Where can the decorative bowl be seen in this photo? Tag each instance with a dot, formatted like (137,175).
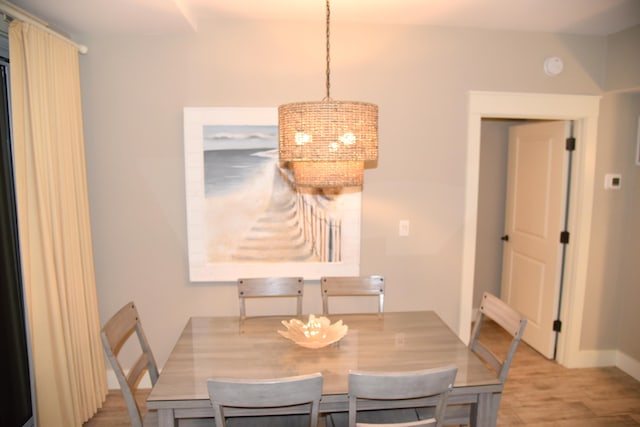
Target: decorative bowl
(316,333)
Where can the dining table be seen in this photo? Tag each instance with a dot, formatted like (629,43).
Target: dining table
(252,348)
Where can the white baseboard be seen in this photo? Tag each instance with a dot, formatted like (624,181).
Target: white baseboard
(596,358)
(629,365)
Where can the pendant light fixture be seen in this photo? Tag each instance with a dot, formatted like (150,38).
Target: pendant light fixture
(327,142)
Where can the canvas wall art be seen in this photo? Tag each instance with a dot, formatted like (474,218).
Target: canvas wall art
(245,217)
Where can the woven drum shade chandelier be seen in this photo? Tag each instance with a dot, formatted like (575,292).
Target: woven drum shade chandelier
(327,142)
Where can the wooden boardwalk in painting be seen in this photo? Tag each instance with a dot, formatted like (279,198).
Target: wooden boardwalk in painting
(277,234)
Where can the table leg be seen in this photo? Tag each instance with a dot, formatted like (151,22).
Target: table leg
(486,411)
(166,418)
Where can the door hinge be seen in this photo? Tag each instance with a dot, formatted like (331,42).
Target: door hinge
(557,325)
(564,237)
(571,143)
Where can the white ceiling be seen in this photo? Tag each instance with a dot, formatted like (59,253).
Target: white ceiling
(595,17)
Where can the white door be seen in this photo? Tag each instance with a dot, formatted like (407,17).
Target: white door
(534,219)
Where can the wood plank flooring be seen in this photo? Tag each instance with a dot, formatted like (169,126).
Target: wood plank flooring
(538,393)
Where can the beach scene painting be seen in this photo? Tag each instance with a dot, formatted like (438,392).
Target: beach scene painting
(245,218)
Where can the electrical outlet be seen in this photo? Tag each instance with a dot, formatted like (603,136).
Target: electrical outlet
(403,228)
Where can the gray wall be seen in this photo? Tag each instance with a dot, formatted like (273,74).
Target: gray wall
(613,284)
(628,341)
(623,60)
(134,90)
(611,317)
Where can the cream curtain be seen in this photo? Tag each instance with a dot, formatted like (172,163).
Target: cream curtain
(55,234)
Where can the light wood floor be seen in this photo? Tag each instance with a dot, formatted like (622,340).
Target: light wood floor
(538,393)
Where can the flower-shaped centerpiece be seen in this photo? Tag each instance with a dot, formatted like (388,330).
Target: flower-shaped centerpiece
(316,333)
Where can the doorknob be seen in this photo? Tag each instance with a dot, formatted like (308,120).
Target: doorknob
(505,238)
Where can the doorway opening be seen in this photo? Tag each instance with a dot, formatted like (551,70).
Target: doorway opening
(522,214)
(583,110)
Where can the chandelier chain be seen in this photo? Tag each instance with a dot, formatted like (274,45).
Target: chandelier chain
(328,72)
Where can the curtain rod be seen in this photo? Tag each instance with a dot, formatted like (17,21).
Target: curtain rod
(16,13)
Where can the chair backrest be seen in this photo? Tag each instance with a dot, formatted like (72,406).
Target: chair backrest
(351,286)
(115,333)
(510,320)
(263,394)
(437,382)
(262,287)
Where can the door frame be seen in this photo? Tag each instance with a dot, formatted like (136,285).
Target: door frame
(583,110)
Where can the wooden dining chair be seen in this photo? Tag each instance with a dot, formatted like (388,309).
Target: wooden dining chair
(434,383)
(115,333)
(510,320)
(267,287)
(514,324)
(342,286)
(268,400)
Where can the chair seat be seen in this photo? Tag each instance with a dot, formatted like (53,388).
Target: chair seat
(151,420)
(456,414)
(270,421)
(386,416)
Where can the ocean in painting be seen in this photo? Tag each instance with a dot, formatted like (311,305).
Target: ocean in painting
(227,171)
(234,154)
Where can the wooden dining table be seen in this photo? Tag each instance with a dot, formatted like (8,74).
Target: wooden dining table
(394,341)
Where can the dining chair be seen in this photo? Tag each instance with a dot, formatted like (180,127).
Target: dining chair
(498,311)
(117,331)
(342,286)
(268,399)
(262,287)
(435,383)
